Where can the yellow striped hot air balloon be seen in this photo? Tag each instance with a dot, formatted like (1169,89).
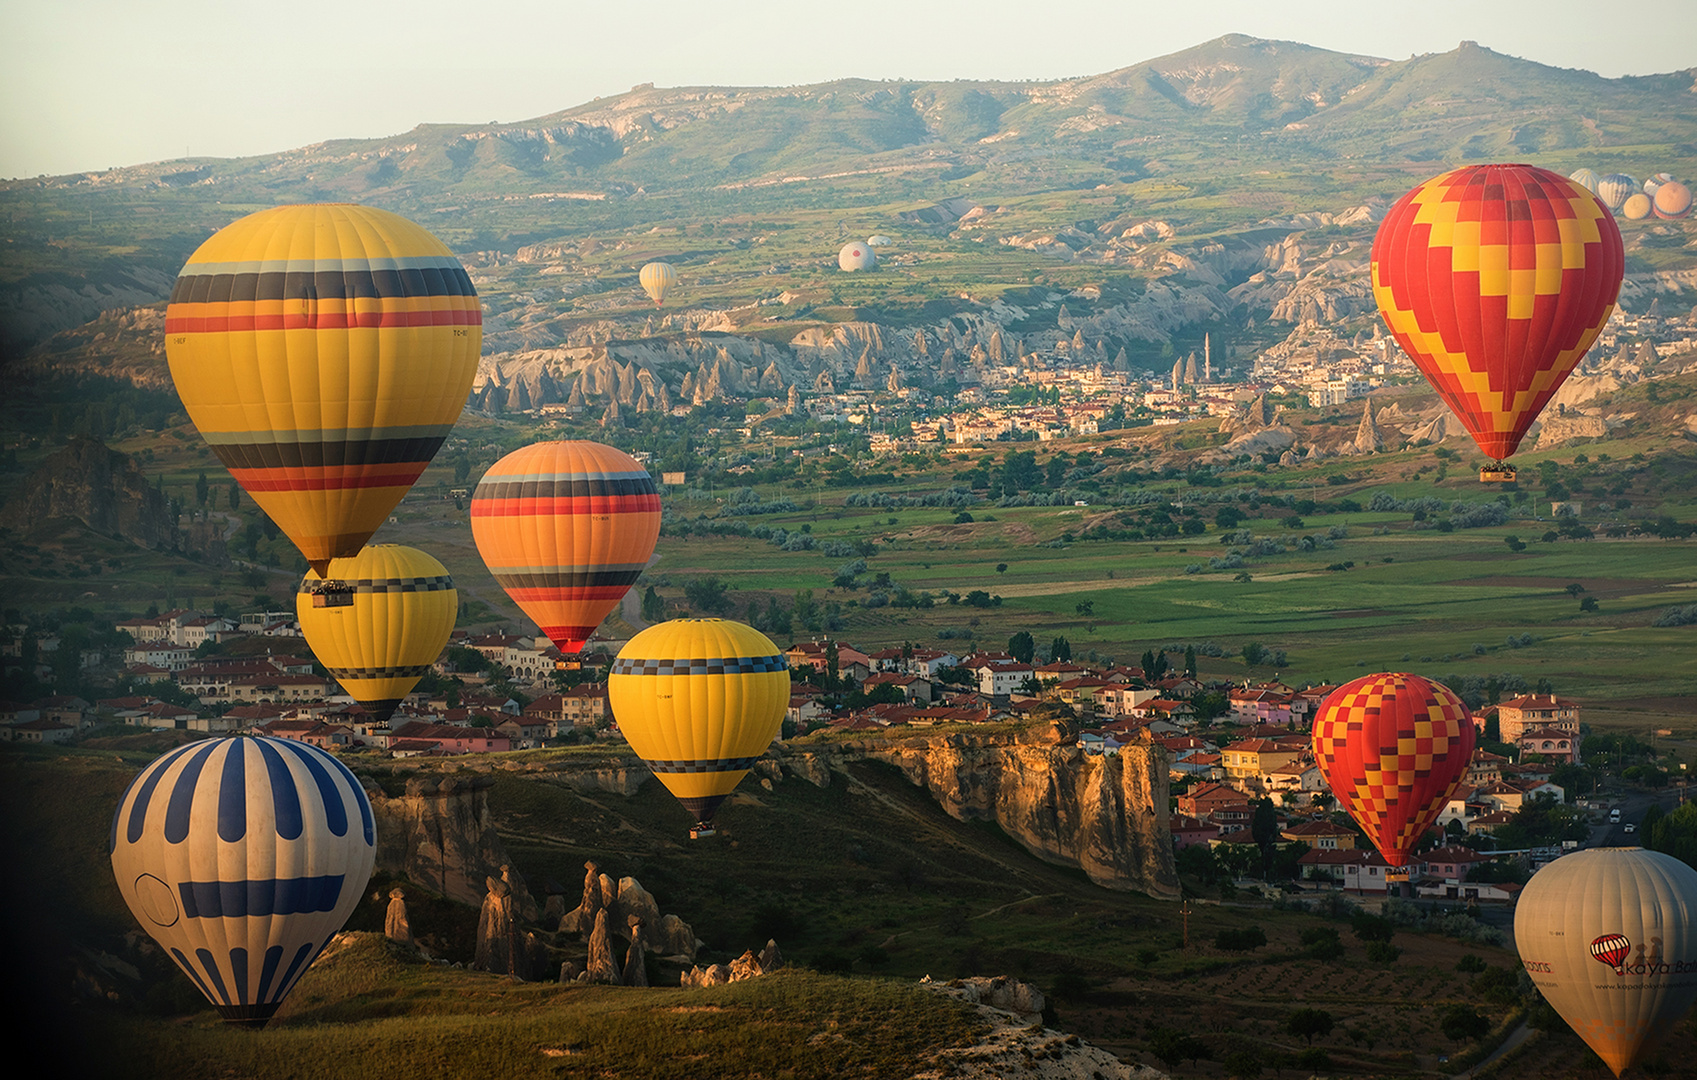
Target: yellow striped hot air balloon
(566,528)
(324,352)
(699,700)
(378,621)
(657,279)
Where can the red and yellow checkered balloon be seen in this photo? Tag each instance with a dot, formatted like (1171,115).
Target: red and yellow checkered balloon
(1393,748)
(1495,279)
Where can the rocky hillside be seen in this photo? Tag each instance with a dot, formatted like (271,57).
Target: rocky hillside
(102,488)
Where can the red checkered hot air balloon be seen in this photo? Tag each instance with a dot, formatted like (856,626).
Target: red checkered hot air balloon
(1393,747)
(566,528)
(1495,279)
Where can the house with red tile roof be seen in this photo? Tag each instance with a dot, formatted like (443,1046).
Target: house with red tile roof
(1321,835)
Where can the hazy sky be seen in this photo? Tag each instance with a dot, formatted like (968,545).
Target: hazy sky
(88,84)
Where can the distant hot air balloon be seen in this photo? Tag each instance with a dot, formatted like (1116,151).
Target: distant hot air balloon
(657,280)
(243,857)
(1636,207)
(879,240)
(1585,178)
(378,621)
(1495,279)
(566,528)
(1392,747)
(1614,189)
(699,700)
(324,352)
(1673,201)
(1652,185)
(857,256)
(1609,937)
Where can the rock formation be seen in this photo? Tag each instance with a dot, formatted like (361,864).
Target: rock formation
(103,488)
(1367,439)
(396,927)
(623,901)
(1017,1044)
(636,967)
(1105,814)
(440,834)
(501,945)
(602,967)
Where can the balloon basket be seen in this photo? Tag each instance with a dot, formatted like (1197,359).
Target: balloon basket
(700,832)
(1497,474)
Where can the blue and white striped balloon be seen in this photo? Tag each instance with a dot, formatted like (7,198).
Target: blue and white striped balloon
(243,857)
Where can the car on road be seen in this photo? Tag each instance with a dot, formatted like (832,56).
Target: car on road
(1631,826)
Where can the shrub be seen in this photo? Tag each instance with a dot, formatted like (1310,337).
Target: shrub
(1246,940)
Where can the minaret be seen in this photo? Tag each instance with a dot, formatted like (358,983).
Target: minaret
(1207,359)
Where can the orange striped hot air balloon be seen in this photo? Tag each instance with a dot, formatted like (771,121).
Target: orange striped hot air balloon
(324,352)
(1392,747)
(1495,279)
(566,528)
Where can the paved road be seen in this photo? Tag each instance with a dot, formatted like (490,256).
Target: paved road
(1515,1038)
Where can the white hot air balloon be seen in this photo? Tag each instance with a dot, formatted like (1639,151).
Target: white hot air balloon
(1607,936)
(243,857)
(1614,189)
(857,256)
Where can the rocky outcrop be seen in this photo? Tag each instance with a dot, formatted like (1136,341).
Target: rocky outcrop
(1106,815)
(440,834)
(624,901)
(396,926)
(104,489)
(1561,426)
(1016,1044)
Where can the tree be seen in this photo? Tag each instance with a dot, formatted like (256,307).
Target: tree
(1060,649)
(1461,1023)
(1515,543)
(235,495)
(706,595)
(653,606)
(1575,589)
(1190,661)
(1001,568)
(1022,647)
(1085,608)
(201,490)
(1307,1023)
(1174,1047)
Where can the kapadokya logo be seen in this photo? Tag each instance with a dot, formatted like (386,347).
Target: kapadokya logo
(1610,949)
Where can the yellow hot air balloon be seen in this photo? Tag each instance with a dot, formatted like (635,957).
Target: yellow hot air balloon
(324,352)
(657,279)
(1608,937)
(378,621)
(699,700)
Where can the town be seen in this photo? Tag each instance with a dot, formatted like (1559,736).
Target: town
(1248,805)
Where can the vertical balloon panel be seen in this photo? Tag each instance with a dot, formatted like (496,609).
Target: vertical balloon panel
(242,857)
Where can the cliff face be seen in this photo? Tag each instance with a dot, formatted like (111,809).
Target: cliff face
(103,488)
(1104,815)
(440,834)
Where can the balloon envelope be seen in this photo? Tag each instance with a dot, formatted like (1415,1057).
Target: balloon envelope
(1393,747)
(699,700)
(1614,188)
(378,621)
(857,256)
(1585,178)
(1495,279)
(1607,937)
(566,528)
(324,352)
(1636,207)
(242,857)
(657,279)
(1673,200)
